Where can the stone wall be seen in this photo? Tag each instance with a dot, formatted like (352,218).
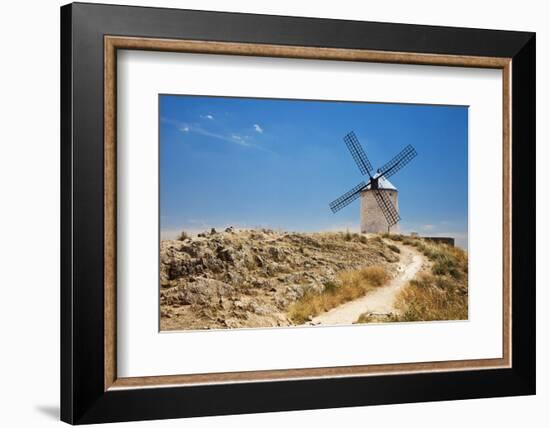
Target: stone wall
(372,217)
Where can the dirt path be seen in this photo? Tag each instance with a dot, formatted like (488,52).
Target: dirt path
(379,301)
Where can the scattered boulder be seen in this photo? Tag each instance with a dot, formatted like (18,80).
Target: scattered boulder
(258,308)
(204,291)
(259,261)
(275,253)
(226,255)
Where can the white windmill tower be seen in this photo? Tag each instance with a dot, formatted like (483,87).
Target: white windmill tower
(379,206)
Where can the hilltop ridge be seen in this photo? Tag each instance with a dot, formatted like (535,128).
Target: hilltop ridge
(250,278)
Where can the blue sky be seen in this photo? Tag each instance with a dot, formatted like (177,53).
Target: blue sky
(278,163)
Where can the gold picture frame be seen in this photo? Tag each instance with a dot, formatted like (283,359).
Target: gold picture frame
(114,43)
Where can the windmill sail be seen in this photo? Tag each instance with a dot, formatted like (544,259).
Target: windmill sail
(398,162)
(387,207)
(376,183)
(358,154)
(347,198)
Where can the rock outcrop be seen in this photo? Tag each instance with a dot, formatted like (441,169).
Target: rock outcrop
(248,278)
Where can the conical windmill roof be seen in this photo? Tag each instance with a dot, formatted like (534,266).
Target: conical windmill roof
(383,183)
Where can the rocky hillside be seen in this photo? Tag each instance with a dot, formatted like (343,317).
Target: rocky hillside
(248,278)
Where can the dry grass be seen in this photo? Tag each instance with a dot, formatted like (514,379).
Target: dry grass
(349,285)
(446,260)
(441,294)
(347,236)
(352,241)
(432,298)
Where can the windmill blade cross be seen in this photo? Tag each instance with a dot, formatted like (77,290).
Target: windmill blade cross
(358,154)
(387,207)
(398,162)
(347,198)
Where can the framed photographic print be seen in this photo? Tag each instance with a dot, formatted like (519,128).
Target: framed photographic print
(320,213)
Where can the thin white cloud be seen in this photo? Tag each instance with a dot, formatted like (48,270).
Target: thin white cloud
(208,116)
(243,140)
(428,227)
(258,129)
(240,140)
(231,138)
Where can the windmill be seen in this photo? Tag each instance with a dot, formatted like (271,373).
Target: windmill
(379,207)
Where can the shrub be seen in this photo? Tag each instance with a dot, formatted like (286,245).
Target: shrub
(377,239)
(394,248)
(183,236)
(362,239)
(330,287)
(393,236)
(363,319)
